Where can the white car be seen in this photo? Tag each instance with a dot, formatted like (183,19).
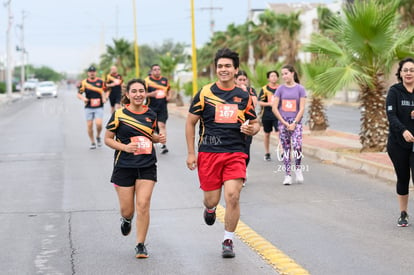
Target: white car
(46,89)
(30,84)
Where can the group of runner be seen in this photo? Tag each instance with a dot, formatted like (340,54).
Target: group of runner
(226,110)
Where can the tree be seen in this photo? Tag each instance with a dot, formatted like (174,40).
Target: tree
(367,44)
(120,54)
(288,30)
(318,119)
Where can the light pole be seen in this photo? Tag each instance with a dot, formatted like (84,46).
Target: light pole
(250,60)
(23,50)
(135,42)
(8,47)
(194,49)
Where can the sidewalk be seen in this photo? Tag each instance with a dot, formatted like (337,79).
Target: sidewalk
(5,99)
(334,147)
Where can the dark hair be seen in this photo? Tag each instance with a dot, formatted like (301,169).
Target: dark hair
(291,69)
(400,65)
(270,72)
(227,53)
(125,99)
(241,73)
(155,65)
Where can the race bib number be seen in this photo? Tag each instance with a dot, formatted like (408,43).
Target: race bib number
(289,105)
(270,99)
(95,102)
(160,94)
(144,145)
(226,113)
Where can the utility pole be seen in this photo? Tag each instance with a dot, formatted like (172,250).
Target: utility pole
(8,47)
(23,51)
(250,60)
(211,9)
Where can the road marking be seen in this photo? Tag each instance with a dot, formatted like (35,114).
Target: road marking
(275,257)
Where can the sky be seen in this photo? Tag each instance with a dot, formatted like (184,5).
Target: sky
(69,35)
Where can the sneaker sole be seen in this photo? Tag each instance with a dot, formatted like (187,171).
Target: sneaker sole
(402,225)
(228,255)
(141,256)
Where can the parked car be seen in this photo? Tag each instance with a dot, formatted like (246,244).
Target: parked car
(46,89)
(30,84)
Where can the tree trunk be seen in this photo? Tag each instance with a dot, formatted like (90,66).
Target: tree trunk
(374,122)
(318,120)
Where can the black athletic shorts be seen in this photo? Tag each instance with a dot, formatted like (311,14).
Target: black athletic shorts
(162,115)
(268,125)
(115,98)
(126,177)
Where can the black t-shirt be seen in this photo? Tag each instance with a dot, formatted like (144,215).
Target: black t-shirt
(161,86)
(138,126)
(266,95)
(400,104)
(221,114)
(93,90)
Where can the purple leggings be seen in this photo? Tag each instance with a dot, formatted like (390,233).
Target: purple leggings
(291,142)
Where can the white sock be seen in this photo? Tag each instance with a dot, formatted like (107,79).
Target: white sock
(228,235)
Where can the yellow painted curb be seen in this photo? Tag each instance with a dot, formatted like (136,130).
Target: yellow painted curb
(276,258)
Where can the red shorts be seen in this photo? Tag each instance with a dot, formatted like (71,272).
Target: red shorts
(216,168)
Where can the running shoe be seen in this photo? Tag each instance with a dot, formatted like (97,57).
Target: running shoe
(210,216)
(141,251)
(99,142)
(93,146)
(164,149)
(403,220)
(267,157)
(227,246)
(287,180)
(125,226)
(299,176)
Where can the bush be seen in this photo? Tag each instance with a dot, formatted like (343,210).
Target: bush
(3,88)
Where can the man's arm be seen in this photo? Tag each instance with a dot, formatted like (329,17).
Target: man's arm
(190,138)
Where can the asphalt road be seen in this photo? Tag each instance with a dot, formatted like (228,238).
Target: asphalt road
(59,213)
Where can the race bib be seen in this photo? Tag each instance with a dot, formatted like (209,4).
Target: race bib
(270,99)
(95,102)
(289,105)
(144,145)
(226,113)
(160,94)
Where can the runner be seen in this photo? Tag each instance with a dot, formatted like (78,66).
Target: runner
(269,121)
(158,96)
(242,81)
(223,110)
(92,93)
(130,131)
(400,114)
(289,106)
(114,84)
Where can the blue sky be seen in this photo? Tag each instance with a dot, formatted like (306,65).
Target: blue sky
(69,35)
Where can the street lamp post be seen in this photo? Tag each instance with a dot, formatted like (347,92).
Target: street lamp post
(194,49)
(135,42)
(8,47)
(23,51)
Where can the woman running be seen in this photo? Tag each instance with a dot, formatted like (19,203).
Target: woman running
(130,131)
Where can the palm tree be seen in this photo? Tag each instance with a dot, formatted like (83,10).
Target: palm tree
(367,44)
(318,119)
(265,39)
(288,30)
(120,54)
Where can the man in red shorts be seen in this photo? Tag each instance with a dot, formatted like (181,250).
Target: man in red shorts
(226,114)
